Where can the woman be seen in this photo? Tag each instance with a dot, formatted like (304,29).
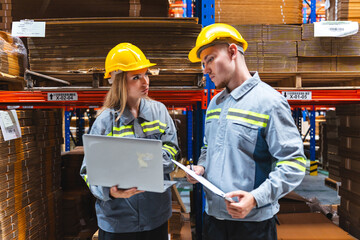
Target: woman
(128,112)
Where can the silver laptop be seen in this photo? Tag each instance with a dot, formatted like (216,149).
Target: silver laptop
(125,162)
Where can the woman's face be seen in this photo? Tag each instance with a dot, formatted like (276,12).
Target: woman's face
(137,83)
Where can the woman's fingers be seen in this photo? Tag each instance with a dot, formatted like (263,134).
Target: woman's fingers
(124,193)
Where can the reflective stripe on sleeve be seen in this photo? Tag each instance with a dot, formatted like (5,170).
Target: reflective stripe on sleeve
(86,180)
(171,150)
(298,163)
(204,146)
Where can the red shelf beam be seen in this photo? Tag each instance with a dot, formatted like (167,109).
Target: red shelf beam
(326,97)
(94,98)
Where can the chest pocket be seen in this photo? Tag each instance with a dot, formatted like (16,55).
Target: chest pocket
(154,129)
(242,136)
(245,126)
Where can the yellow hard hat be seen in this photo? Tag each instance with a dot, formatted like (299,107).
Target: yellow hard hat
(125,57)
(213,32)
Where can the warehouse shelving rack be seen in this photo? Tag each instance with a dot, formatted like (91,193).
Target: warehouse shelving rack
(195,101)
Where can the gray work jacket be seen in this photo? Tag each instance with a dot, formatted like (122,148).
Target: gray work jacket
(148,210)
(251,144)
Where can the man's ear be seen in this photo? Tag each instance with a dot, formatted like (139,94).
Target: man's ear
(232,50)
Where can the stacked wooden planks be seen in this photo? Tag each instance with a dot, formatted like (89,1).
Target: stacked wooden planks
(13,61)
(348,10)
(323,147)
(30,194)
(5,15)
(258,12)
(16,10)
(35,9)
(81,45)
(78,209)
(290,56)
(328,54)
(272,48)
(349,142)
(12,55)
(332,146)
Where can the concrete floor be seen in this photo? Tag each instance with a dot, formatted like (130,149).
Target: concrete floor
(314,186)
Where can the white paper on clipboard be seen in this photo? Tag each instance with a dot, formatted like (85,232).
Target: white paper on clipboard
(203,181)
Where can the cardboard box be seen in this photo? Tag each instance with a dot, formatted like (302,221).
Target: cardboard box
(308,226)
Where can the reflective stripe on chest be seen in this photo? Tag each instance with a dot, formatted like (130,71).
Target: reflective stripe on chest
(148,128)
(122,131)
(153,127)
(240,115)
(253,118)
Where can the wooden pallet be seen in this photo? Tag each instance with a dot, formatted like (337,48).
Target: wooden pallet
(332,184)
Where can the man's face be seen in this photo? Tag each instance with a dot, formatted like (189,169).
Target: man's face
(217,63)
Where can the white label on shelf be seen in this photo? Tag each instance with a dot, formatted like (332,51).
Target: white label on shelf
(9,124)
(297,95)
(335,28)
(62,96)
(27,107)
(12,107)
(28,28)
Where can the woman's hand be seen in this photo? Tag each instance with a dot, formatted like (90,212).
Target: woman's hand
(123,193)
(199,170)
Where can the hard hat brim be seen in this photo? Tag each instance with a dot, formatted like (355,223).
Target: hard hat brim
(193,57)
(107,74)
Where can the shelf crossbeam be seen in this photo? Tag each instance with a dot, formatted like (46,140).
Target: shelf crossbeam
(95,98)
(323,97)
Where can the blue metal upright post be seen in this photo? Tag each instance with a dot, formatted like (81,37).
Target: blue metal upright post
(313,11)
(199,121)
(205,11)
(80,127)
(67,130)
(189,121)
(313,163)
(189,8)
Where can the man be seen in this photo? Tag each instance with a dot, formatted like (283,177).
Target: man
(252,148)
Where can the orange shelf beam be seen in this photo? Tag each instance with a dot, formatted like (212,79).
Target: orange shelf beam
(95,98)
(325,97)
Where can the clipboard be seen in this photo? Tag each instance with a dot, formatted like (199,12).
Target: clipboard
(204,181)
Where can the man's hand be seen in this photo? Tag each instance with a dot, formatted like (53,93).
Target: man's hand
(199,170)
(240,209)
(123,193)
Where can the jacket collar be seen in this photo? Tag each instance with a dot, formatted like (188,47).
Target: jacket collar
(127,117)
(241,90)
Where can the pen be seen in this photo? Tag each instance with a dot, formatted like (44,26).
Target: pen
(191,164)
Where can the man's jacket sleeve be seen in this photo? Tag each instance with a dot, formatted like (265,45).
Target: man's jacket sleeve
(286,147)
(169,140)
(202,158)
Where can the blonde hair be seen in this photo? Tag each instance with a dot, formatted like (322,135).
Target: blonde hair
(117,95)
